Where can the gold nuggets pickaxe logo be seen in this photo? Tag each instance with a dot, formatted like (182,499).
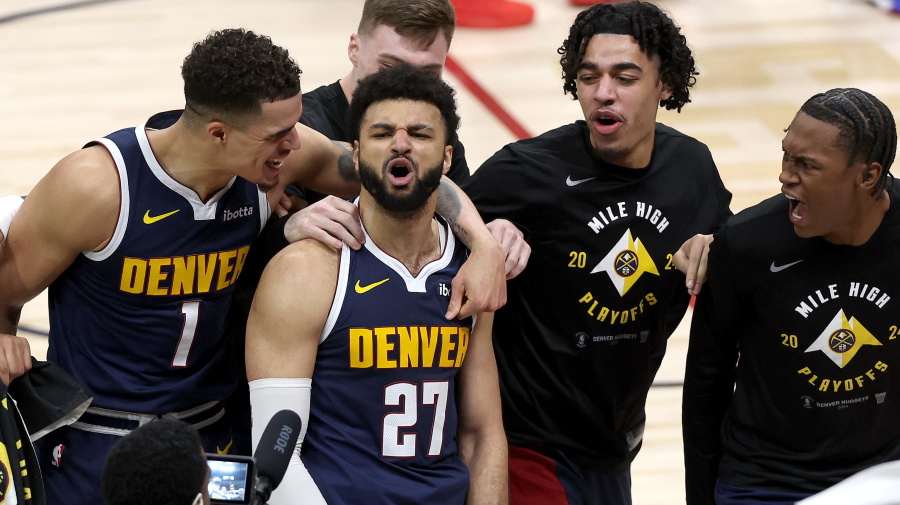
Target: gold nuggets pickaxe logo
(841,339)
(626,262)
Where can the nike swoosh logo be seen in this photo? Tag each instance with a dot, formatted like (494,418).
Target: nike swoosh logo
(220,451)
(151,220)
(363,289)
(570,182)
(775,269)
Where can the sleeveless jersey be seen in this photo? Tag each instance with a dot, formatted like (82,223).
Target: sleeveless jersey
(141,322)
(383,414)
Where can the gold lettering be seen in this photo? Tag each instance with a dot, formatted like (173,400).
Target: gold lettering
(157,275)
(360,348)
(206,267)
(463,346)
(881,366)
(225,268)
(183,277)
(602,315)
(586,298)
(805,370)
(239,264)
(824,385)
(409,346)
(429,345)
(381,335)
(134,271)
(446,346)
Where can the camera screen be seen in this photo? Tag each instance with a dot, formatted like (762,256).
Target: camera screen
(228,480)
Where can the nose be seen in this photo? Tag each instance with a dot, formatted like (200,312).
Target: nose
(401,144)
(292,140)
(788,175)
(605,92)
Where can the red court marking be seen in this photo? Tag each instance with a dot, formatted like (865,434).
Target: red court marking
(485,98)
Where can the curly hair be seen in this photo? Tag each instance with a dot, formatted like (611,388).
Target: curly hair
(655,33)
(867,132)
(230,73)
(160,462)
(404,82)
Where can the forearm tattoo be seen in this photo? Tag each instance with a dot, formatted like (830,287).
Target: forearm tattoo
(449,206)
(346,167)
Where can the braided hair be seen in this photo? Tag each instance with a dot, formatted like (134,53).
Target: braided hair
(653,30)
(867,131)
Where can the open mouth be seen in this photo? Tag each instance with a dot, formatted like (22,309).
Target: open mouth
(606,121)
(399,171)
(275,164)
(798,209)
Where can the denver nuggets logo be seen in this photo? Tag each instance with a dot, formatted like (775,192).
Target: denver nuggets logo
(626,263)
(842,341)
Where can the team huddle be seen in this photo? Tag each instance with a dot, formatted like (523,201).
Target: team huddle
(448,338)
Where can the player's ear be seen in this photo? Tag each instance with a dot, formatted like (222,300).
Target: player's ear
(353,49)
(217,131)
(356,155)
(448,158)
(869,176)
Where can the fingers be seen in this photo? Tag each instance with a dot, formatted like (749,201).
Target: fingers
(691,259)
(515,248)
(15,357)
(332,221)
(456,296)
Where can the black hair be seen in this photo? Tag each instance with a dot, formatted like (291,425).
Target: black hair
(230,73)
(867,131)
(655,33)
(404,82)
(159,462)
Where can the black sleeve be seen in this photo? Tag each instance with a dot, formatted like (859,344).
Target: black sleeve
(459,169)
(499,188)
(709,375)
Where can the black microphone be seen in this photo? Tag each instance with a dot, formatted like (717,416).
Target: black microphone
(274,452)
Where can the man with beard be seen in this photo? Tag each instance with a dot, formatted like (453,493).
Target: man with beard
(388,406)
(605,203)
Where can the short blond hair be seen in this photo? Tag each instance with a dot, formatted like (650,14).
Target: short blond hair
(420,20)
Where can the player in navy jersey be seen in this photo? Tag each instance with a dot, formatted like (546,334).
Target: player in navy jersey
(404,408)
(141,237)
(791,382)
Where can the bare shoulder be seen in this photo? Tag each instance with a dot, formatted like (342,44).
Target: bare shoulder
(84,187)
(305,272)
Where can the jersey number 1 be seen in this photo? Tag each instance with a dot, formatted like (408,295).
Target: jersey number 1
(395,445)
(191,312)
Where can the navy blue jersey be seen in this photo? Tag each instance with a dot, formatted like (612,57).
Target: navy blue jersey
(140,322)
(383,409)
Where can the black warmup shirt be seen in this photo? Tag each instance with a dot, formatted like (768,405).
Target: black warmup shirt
(585,326)
(815,396)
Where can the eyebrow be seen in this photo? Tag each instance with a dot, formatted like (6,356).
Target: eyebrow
(618,67)
(389,56)
(389,126)
(280,132)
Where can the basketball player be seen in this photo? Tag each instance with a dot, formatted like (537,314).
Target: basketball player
(143,234)
(390,32)
(405,405)
(803,288)
(605,203)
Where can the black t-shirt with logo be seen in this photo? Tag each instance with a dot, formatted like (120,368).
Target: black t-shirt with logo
(816,392)
(585,326)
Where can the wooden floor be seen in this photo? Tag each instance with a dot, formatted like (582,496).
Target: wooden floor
(67,76)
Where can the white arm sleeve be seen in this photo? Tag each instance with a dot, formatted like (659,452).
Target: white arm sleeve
(267,397)
(9,205)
